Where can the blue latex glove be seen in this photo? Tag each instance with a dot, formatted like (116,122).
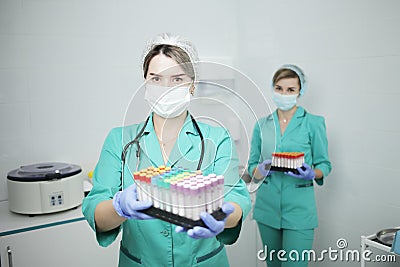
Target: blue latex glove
(126,204)
(214,227)
(308,174)
(262,165)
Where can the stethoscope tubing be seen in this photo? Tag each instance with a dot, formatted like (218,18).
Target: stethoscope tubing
(140,134)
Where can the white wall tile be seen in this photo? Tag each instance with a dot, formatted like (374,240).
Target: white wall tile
(75,65)
(14,86)
(352,61)
(11,17)
(15,121)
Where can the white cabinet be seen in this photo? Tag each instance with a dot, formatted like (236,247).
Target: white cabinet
(61,239)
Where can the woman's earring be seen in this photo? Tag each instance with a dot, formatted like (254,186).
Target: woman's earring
(191,90)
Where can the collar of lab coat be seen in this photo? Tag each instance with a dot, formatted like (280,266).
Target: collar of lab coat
(294,122)
(151,148)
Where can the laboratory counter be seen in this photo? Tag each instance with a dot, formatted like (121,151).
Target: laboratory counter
(58,239)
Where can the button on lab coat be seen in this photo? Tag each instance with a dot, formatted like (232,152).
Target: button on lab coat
(283,201)
(154,242)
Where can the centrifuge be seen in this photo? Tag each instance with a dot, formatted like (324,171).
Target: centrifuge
(45,188)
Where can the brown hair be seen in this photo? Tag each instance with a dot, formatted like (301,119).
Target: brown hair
(283,74)
(174,52)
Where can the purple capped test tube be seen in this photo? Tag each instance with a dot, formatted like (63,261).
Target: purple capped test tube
(187,200)
(208,196)
(201,197)
(181,198)
(174,197)
(214,193)
(194,202)
(220,190)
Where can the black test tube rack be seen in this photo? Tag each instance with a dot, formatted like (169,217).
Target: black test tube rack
(283,169)
(180,220)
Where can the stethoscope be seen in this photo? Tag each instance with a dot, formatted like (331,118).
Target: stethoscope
(141,133)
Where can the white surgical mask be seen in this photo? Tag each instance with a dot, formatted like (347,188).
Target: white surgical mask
(167,102)
(284,102)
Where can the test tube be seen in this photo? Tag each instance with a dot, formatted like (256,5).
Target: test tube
(154,191)
(220,190)
(161,192)
(194,202)
(174,197)
(187,200)
(139,187)
(212,175)
(284,161)
(136,176)
(214,193)
(146,182)
(167,195)
(208,196)
(297,161)
(181,198)
(199,178)
(293,158)
(202,198)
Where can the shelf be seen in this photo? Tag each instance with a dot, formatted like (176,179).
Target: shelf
(374,242)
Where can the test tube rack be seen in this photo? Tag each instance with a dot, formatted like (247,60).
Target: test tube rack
(179,196)
(286,162)
(283,169)
(180,220)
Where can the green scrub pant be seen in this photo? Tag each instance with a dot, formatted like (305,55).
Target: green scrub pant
(292,242)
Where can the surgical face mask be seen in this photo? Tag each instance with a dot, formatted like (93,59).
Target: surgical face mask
(284,102)
(167,102)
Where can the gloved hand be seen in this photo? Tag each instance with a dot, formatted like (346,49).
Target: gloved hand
(262,165)
(308,174)
(214,227)
(126,204)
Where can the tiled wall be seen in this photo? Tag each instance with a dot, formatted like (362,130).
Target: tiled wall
(68,70)
(350,51)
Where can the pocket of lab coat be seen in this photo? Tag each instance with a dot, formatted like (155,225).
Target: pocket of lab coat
(217,257)
(126,259)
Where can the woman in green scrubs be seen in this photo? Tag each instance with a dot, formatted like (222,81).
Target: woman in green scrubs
(169,137)
(285,208)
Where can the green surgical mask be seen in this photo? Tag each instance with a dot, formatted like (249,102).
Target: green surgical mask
(284,102)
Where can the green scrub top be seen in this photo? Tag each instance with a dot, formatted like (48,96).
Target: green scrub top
(154,242)
(283,201)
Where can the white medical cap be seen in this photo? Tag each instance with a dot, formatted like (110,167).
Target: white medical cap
(173,40)
(300,74)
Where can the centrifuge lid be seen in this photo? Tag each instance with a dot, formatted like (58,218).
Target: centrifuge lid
(43,172)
